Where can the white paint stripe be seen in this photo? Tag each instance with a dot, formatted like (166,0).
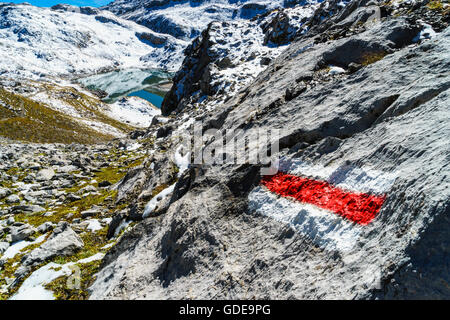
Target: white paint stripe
(326,229)
(347,177)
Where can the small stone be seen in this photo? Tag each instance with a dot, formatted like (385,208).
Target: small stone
(86,189)
(155,121)
(29,178)
(90,213)
(29,198)
(353,67)
(72,197)
(45,175)
(265,61)
(67,169)
(14,198)
(21,272)
(4,192)
(104,184)
(136,134)
(27,209)
(294,91)
(164,132)
(63,242)
(67,183)
(69,215)
(225,63)
(34,166)
(45,227)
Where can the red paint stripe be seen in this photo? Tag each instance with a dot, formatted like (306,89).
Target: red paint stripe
(361,208)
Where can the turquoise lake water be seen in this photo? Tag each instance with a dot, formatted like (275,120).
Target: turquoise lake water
(153,98)
(145,84)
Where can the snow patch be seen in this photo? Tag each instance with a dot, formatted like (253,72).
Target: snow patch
(151,206)
(94,225)
(33,288)
(182,161)
(427,32)
(14,249)
(133,110)
(336,70)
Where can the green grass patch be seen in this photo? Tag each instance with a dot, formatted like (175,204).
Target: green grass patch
(372,57)
(35,122)
(62,291)
(86,105)
(436,5)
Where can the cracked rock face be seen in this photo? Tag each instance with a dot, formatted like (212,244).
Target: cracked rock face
(380,120)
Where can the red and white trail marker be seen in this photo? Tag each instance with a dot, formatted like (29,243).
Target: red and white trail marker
(330,205)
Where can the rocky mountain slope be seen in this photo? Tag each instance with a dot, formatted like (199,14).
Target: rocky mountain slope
(56,204)
(362,105)
(358,205)
(229,55)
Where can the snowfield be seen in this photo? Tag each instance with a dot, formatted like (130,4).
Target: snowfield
(134,111)
(187,19)
(41,42)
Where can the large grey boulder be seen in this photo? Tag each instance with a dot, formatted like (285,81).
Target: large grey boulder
(4,192)
(22,232)
(63,242)
(3,246)
(27,209)
(222,239)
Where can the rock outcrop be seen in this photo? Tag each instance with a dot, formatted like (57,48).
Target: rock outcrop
(361,104)
(62,242)
(228,55)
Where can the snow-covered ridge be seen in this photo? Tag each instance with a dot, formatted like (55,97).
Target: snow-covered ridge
(230,54)
(42,42)
(187,19)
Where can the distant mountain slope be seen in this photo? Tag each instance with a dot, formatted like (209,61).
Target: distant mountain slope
(45,112)
(187,19)
(236,39)
(67,40)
